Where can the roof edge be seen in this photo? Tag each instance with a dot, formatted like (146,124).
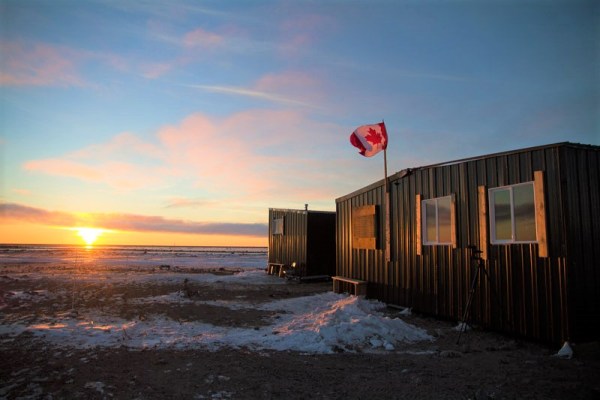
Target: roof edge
(405,172)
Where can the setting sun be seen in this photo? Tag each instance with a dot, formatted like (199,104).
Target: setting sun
(89,235)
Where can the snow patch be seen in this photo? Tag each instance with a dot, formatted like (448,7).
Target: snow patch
(322,323)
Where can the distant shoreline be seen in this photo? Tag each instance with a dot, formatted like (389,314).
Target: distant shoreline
(2,245)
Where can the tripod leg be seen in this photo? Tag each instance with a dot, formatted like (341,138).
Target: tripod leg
(468,305)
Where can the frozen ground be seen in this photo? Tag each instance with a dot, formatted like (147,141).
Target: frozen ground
(78,330)
(318,323)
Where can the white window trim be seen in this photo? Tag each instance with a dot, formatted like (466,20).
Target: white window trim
(491,204)
(437,226)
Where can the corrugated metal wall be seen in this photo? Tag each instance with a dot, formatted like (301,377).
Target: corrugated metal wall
(525,294)
(581,194)
(308,240)
(291,246)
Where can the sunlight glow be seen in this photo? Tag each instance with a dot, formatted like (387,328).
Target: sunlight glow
(89,235)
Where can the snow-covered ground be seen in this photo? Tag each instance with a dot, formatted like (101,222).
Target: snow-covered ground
(321,323)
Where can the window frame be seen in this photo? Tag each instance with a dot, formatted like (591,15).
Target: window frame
(492,214)
(424,220)
(278,226)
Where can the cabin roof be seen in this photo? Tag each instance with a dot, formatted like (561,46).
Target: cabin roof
(407,171)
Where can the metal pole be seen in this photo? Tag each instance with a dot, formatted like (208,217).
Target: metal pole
(387,209)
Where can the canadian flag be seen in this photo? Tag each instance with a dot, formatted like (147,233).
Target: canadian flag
(370,139)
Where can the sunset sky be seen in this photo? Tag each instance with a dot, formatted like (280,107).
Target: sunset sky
(182,122)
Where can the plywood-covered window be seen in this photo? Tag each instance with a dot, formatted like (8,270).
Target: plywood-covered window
(512,214)
(364,227)
(438,221)
(277,226)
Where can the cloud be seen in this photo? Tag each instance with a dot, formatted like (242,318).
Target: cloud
(244,92)
(119,175)
(242,161)
(17,212)
(122,146)
(62,167)
(125,162)
(188,48)
(156,70)
(289,88)
(299,34)
(201,38)
(37,64)
(127,222)
(181,202)
(41,64)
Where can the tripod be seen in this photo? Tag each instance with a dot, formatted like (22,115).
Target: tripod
(475,255)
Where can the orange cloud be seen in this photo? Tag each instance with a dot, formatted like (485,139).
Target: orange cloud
(121,146)
(11,212)
(62,167)
(22,192)
(120,175)
(255,156)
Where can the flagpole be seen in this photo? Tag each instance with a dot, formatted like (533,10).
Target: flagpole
(387,209)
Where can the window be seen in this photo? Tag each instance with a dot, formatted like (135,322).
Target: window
(364,227)
(438,221)
(512,214)
(277,226)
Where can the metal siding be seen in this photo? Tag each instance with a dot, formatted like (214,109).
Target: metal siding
(583,228)
(310,247)
(525,294)
(291,246)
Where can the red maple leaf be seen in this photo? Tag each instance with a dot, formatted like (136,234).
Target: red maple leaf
(373,136)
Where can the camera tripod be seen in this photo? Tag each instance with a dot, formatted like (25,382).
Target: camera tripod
(475,255)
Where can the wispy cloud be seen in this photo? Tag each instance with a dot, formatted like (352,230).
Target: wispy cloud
(156,70)
(126,222)
(181,202)
(287,88)
(37,64)
(191,47)
(119,175)
(125,162)
(300,33)
(22,192)
(240,91)
(62,167)
(202,38)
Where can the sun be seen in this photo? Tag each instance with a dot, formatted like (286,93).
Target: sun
(89,235)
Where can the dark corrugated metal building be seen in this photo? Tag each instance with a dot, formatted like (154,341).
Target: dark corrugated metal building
(305,237)
(535,215)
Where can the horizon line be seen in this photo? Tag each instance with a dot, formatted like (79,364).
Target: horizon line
(123,245)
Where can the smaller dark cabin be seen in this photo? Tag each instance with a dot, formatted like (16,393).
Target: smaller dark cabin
(533,213)
(304,237)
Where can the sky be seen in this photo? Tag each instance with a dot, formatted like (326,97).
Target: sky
(183,122)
